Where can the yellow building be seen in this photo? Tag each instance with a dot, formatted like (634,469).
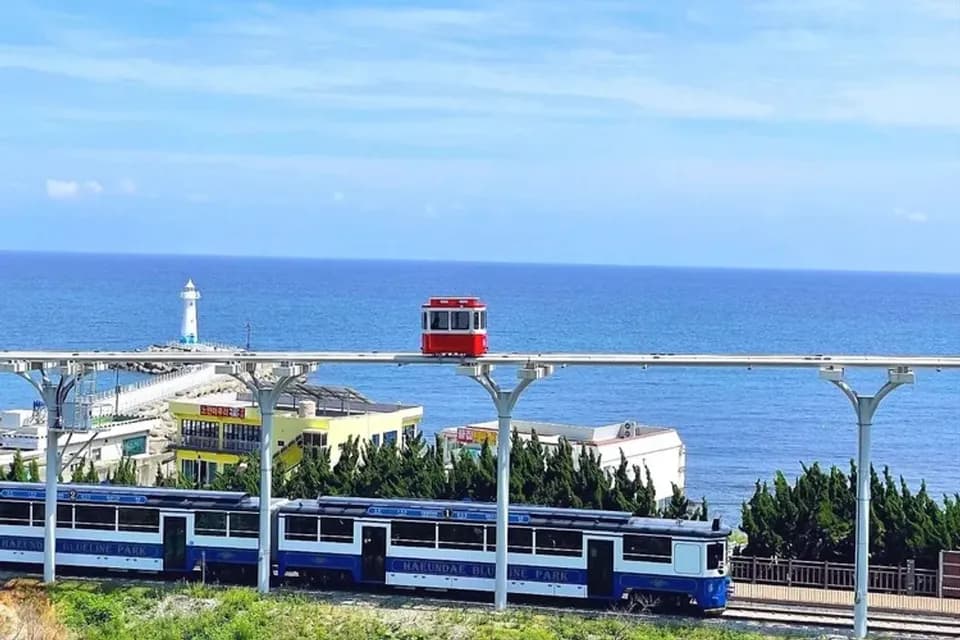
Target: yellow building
(219,430)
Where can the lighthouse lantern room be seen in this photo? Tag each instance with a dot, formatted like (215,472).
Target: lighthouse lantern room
(454,326)
(189,334)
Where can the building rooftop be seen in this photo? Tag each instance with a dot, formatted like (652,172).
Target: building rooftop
(575,433)
(329,399)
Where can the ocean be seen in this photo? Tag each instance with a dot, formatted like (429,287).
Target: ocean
(739,426)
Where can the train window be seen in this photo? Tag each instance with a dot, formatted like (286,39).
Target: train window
(714,555)
(244,525)
(519,539)
(460,536)
(647,549)
(15,513)
(460,320)
(65,515)
(423,320)
(336,530)
(143,520)
(210,523)
(476,319)
(558,542)
(439,320)
(38,511)
(91,517)
(404,533)
(301,528)
(483,319)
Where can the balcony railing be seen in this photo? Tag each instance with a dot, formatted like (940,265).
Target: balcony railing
(240,446)
(199,442)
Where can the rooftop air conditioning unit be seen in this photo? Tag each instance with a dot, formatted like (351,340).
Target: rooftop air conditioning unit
(628,429)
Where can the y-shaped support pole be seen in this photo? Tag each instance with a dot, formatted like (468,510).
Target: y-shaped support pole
(865,407)
(266,393)
(54,395)
(504,401)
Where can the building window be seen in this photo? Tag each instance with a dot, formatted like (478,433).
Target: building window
(409,433)
(314,439)
(240,437)
(559,542)
(390,437)
(375,439)
(189,470)
(406,533)
(199,434)
(647,549)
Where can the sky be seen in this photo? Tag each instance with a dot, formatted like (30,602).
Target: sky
(767,133)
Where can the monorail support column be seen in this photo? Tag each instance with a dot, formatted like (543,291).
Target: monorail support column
(865,407)
(266,392)
(504,401)
(54,395)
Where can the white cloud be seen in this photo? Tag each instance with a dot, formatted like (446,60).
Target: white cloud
(916,217)
(128,186)
(62,189)
(72,189)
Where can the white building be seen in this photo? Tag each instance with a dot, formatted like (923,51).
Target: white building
(105,447)
(658,449)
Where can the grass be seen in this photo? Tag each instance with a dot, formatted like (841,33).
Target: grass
(101,611)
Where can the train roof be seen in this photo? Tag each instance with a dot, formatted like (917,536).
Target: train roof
(159,497)
(486,512)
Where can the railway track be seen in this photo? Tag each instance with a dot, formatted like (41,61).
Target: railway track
(901,624)
(757,615)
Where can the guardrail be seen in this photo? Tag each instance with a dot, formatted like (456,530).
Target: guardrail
(108,394)
(906,580)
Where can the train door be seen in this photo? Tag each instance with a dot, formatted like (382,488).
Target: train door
(174,543)
(599,568)
(374,554)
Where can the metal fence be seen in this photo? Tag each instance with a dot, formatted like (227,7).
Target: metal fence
(906,580)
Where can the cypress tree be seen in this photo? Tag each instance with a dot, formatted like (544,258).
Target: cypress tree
(345,471)
(485,478)
(18,470)
(34,471)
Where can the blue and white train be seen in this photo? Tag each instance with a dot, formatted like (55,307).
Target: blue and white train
(559,553)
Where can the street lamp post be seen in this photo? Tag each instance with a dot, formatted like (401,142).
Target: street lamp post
(504,401)
(865,407)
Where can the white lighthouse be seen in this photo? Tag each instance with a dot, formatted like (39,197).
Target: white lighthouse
(188,329)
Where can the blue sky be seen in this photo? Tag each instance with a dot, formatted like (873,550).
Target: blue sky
(820,134)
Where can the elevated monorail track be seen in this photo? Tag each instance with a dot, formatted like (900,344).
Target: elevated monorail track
(528,358)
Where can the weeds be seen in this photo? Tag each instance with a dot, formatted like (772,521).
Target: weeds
(100,612)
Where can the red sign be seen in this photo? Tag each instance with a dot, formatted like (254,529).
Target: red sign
(466,435)
(222,412)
